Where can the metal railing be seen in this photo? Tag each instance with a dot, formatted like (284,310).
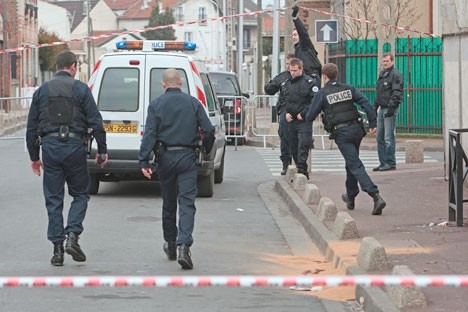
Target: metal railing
(457,173)
(263,120)
(13,117)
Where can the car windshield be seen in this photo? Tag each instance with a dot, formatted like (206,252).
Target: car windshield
(224,84)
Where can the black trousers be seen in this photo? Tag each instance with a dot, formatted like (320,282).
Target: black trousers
(300,140)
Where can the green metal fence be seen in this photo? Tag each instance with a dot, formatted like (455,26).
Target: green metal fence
(420,62)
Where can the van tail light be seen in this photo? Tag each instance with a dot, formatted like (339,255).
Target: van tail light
(237,106)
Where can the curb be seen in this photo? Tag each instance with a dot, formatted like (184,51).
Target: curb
(375,299)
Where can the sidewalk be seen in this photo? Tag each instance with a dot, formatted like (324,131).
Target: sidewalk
(413,228)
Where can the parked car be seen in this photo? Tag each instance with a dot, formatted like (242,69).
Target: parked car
(233,103)
(124,83)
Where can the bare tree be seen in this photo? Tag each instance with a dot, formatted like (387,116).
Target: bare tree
(404,14)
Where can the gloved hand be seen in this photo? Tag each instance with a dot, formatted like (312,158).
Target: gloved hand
(295,9)
(390,112)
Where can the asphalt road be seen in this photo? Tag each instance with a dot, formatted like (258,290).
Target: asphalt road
(235,234)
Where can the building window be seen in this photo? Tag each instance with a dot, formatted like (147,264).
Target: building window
(188,36)
(247,43)
(179,13)
(202,15)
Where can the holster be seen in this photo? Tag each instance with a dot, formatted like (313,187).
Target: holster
(361,123)
(199,153)
(158,150)
(88,140)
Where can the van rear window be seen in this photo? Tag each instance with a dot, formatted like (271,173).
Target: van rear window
(157,89)
(119,90)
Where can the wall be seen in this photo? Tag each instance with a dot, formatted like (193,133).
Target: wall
(454,22)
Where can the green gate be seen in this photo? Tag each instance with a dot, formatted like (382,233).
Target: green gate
(420,62)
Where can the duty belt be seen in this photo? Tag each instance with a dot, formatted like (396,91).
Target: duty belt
(70,134)
(344,124)
(178,148)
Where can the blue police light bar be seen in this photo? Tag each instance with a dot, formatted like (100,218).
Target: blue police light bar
(156,45)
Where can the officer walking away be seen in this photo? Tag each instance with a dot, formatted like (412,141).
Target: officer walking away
(304,48)
(62,110)
(341,119)
(175,124)
(389,95)
(298,92)
(272,87)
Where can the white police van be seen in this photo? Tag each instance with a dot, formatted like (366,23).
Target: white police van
(124,83)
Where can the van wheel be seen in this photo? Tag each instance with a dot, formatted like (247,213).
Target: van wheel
(219,173)
(93,184)
(205,185)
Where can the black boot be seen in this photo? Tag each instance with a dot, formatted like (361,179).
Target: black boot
(184,257)
(304,172)
(379,204)
(171,250)
(73,249)
(285,168)
(57,259)
(348,200)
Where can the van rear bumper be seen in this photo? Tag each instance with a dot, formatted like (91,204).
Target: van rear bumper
(118,170)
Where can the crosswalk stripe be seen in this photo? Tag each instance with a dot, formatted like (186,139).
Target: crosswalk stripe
(329,160)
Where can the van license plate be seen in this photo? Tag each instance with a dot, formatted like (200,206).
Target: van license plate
(121,128)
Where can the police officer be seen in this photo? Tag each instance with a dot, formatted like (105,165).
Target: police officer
(62,110)
(389,95)
(340,117)
(298,92)
(175,124)
(304,48)
(272,87)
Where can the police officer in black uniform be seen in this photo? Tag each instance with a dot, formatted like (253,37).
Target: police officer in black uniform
(175,124)
(272,87)
(341,119)
(298,92)
(304,48)
(62,110)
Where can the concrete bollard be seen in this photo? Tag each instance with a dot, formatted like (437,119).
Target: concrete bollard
(311,194)
(345,226)
(290,173)
(414,152)
(371,255)
(299,182)
(403,296)
(327,210)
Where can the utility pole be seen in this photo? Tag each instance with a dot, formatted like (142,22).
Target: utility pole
(240,43)
(276,41)
(288,28)
(6,58)
(88,42)
(259,81)
(385,8)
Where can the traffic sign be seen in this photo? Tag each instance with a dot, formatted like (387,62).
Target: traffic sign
(326,31)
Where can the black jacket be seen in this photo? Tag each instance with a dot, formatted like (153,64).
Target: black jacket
(276,84)
(305,50)
(389,89)
(298,93)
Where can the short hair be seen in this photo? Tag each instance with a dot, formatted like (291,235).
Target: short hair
(65,59)
(171,77)
(289,56)
(330,70)
(390,54)
(296,62)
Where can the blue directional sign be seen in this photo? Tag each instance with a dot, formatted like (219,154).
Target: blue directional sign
(326,31)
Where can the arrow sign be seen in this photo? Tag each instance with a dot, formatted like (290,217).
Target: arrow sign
(326,31)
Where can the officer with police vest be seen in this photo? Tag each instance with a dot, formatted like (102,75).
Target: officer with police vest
(174,126)
(61,113)
(340,117)
(298,92)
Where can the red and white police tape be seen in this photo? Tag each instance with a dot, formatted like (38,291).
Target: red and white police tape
(235,281)
(89,38)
